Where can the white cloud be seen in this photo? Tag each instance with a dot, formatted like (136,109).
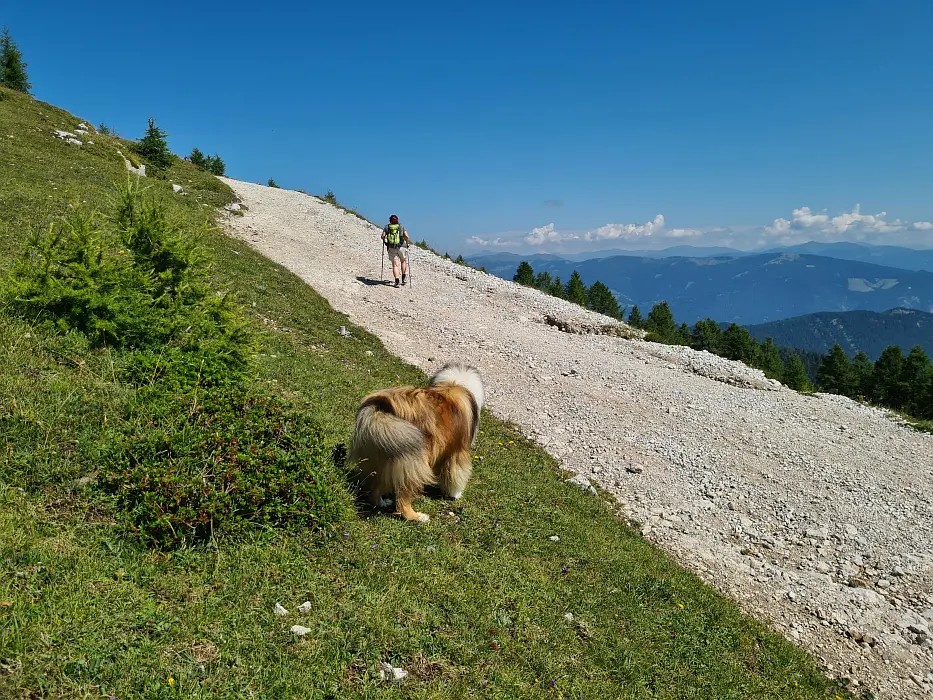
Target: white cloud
(802,225)
(854,223)
(548,234)
(493,243)
(627,232)
(682,233)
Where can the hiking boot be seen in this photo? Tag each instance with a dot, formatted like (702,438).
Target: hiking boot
(396,283)
(403,280)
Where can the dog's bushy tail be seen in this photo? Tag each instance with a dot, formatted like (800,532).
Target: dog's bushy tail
(390,451)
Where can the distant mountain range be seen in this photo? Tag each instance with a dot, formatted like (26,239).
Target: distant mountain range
(745,289)
(888,255)
(869,331)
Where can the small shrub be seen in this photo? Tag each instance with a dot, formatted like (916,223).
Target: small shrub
(215,165)
(105,130)
(154,148)
(235,460)
(196,157)
(153,294)
(330,198)
(272,183)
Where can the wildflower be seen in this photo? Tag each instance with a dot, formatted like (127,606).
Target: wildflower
(680,605)
(171,682)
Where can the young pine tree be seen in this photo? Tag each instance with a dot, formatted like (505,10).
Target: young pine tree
(557,288)
(738,344)
(524,274)
(795,374)
(885,378)
(543,281)
(916,376)
(196,157)
(769,359)
(575,290)
(216,166)
(660,324)
(835,373)
(683,334)
(154,148)
(602,301)
(635,318)
(707,335)
(862,370)
(12,67)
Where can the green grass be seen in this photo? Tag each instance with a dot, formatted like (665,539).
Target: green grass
(472,604)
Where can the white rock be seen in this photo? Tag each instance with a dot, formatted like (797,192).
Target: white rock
(389,672)
(178,189)
(582,482)
(300,630)
(279,610)
(554,538)
(305,607)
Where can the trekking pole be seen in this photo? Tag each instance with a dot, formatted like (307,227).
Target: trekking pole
(382,274)
(409,267)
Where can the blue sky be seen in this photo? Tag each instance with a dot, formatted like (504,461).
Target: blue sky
(506,126)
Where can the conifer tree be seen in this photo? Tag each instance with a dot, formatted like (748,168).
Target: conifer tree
(602,301)
(524,274)
(683,334)
(835,373)
(660,323)
(575,290)
(862,370)
(215,165)
(769,359)
(635,318)
(707,335)
(885,378)
(795,374)
(738,344)
(154,148)
(12,66)
(557,288)
(196,157)
(916,376)
(543,282)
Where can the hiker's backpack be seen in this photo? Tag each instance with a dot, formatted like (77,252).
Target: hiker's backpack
(394,235)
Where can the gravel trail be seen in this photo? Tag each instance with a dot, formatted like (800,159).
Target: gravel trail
(814,513)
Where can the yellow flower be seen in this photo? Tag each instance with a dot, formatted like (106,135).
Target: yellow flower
(171,681)
(680,605)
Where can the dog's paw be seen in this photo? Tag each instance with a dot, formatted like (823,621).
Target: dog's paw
(422,517)
(456,495)
(385,502)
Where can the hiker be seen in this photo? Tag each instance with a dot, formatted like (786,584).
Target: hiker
(393,235)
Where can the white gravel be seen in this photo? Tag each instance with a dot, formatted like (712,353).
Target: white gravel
(812,512)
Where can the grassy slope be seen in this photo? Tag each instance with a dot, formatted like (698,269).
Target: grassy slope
(471,604)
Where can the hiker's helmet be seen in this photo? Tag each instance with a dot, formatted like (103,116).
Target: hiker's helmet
(393,219)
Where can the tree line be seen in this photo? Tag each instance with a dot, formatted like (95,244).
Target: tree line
(898,381)
(596,297)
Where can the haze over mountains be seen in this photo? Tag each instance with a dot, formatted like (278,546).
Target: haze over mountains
(745,289)
(868,331)
(888,255)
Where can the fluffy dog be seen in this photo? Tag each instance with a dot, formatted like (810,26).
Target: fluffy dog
(408,437)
